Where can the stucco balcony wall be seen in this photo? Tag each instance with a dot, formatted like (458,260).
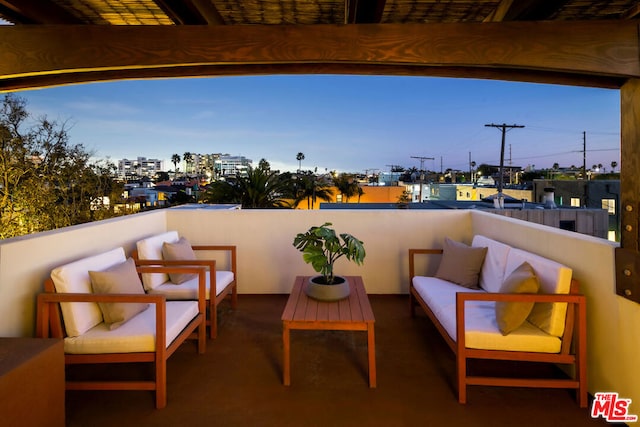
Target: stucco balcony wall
(267,263)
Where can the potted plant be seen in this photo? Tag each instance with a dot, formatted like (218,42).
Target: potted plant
(321,247)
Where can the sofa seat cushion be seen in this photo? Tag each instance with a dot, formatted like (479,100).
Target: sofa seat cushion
(554,278)
(73,277)
(439,294)
(135,336)
(189,290)
(481,327)
(482,332)
(151,248)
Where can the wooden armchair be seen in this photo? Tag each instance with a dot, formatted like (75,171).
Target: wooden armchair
(169,249)
(69,309)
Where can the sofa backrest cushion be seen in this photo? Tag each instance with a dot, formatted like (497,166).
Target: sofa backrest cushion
(554,278)
(150,249)
(493,270)
(73,277)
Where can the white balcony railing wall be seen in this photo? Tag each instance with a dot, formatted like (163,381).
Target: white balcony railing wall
(267,263)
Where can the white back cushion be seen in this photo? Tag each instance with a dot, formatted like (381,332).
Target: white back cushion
(79,317)
(493,270)
(150,249)
(554,278)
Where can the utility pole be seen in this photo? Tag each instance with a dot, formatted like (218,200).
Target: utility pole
(422,159)
(584,155)
(503,127)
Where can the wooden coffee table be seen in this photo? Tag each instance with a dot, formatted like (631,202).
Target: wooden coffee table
(350,314)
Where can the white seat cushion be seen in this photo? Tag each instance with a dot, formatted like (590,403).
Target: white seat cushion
(493,270)
(189,290)
(150,249)
(135,336)
(73,277)
(554,278)
(481,327)
(482,332)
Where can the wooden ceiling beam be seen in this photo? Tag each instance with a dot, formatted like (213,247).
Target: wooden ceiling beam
(36,12)
(181,12)
(366,11)
(606,50)
(527,10)
(499,12)
(208,11)
(632,12)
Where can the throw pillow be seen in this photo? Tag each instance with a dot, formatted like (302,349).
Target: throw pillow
(178,251)
(460,263)
(510,315)
(120,279)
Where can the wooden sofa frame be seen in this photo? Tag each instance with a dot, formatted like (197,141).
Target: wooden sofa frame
(231,290)
(50,324)
(575,334)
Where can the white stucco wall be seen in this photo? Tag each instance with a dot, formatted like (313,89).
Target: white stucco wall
(613,335)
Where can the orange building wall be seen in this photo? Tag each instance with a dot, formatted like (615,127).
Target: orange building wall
(371,195)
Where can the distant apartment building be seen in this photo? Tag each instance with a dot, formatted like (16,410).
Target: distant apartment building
(140,167)
(231,166)
(590,194)
(217,165)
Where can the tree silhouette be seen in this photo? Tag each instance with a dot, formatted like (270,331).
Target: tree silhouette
(613,166)
(264,165)
(347,186)
(175,159)
(188,159)
(310,188)
(259,189)
(300,158)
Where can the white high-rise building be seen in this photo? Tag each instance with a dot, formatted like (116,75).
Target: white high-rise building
(140,167)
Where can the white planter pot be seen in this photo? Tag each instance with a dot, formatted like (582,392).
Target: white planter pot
(321,292)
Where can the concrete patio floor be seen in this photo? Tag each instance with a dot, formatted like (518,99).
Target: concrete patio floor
(238,382)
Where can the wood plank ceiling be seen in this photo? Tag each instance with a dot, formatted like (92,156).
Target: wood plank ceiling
(306,12)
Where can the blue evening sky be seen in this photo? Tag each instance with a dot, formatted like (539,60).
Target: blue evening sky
(343,123)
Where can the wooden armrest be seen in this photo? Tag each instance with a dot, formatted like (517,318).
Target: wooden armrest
(462,297)
(230,248)
(414,252)
(46,299)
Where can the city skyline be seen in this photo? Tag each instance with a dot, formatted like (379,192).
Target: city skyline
(343,123)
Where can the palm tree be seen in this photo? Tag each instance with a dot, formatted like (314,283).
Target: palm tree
(347,186)
(300,158)
(188,159)
(310,188)
(259,189)
(613,166)
(175,159)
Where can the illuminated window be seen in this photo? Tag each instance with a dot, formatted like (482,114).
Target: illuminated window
(575,202)
(609,205)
